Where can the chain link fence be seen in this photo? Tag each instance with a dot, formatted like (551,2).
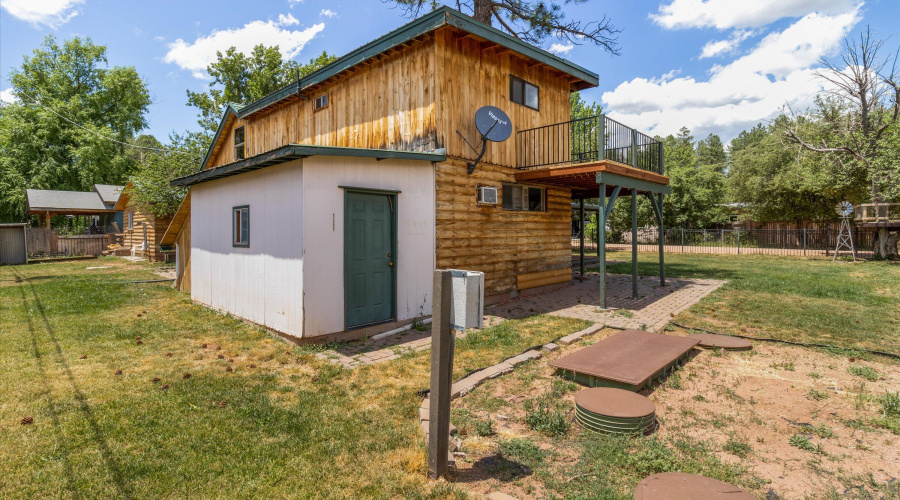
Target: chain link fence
(808,242)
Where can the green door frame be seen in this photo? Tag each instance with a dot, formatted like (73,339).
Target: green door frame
(392,199)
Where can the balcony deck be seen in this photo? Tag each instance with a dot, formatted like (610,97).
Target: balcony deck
(878,215)
(582,177)
(583,153)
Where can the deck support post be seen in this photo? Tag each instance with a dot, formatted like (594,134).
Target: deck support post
(581,237)
(601,243)
(442,341)
(634,249)
(662,237)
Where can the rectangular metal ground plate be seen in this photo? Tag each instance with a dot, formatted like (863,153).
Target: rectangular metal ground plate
(628,360)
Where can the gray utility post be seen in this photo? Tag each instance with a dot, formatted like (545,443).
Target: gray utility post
(634,245)
(442,340)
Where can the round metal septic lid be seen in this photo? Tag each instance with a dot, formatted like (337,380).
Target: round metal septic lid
(710,340)
(681,486)
(614,402)
(486,117)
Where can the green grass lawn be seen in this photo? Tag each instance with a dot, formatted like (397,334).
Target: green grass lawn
(854,305)
(281,423)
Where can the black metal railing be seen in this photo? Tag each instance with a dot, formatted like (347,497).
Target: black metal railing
(586,140)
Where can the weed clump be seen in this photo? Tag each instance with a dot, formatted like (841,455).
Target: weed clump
(484,428)
(522,451)
(737,448)
(545,416)
(866,372)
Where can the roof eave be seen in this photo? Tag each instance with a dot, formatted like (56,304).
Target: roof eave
(293,152)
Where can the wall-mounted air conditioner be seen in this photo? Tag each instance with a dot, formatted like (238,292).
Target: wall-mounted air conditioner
(487,195)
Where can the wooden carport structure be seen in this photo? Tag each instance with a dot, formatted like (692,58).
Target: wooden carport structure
(609,180)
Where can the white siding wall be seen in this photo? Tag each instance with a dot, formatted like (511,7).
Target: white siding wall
(323,203)
(262,283)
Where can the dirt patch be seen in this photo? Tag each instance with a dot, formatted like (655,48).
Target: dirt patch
(796,422)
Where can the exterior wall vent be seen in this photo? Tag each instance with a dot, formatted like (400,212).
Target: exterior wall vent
(487,195)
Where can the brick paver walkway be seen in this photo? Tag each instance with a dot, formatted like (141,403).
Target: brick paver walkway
(651,311)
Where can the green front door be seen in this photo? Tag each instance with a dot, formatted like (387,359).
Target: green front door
(368,258)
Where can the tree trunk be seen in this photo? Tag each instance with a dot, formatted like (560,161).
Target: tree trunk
(482,11)
(886,244)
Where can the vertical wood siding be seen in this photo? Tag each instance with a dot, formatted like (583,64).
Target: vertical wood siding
(387,103)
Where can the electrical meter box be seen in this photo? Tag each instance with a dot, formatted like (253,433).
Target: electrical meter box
(467,302)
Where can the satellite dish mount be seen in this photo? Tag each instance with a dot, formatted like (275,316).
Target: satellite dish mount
(493,125)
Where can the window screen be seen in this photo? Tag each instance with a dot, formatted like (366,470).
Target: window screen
(240,233)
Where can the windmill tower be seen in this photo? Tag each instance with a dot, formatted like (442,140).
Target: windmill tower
(845,236)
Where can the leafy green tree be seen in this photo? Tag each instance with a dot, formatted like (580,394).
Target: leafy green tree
(711,151)
(534,21)
(239,78)
(860,119)
(698,190)
(780,185)
(71,124)
(150,187)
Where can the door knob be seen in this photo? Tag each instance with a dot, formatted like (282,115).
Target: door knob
(391,264)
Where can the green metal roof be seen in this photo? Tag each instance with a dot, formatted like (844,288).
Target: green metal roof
(293,152)
(443,16)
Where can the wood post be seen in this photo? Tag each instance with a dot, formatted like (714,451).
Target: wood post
(601,243)
(441,373)
(662,236)
(634,251)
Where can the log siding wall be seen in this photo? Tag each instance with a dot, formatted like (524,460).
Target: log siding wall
(415,98)
(156,227)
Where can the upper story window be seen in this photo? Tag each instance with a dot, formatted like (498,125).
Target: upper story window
(239,143)
(524,93)
(530,199)
(240,226)
(321,102)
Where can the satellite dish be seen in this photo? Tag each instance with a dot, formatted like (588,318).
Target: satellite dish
(493,125)
(844,208)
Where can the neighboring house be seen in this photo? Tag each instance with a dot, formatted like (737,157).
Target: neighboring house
(141,229)
(99,204)
(322,209)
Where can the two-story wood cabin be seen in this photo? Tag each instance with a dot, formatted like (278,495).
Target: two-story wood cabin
(322,208)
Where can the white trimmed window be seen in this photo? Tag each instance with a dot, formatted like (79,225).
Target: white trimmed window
(320,102)
(240,223)
(524,93)
(525,198)
(239,143)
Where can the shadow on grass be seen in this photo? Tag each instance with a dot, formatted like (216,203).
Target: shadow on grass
(99,437)
(495,467)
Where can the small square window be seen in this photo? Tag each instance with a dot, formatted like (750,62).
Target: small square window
(240,222)
(321,102)
(239,143)
(524,93)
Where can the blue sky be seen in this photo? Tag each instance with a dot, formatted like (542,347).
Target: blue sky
(713,65)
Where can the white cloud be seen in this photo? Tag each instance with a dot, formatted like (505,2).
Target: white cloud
(328,13)
(292,3)
(7,96)
(196,56)
(560,49)
(715,48)
(726,14)
(779,70)
(52,13)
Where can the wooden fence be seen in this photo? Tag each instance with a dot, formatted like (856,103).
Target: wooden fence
(43,242)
